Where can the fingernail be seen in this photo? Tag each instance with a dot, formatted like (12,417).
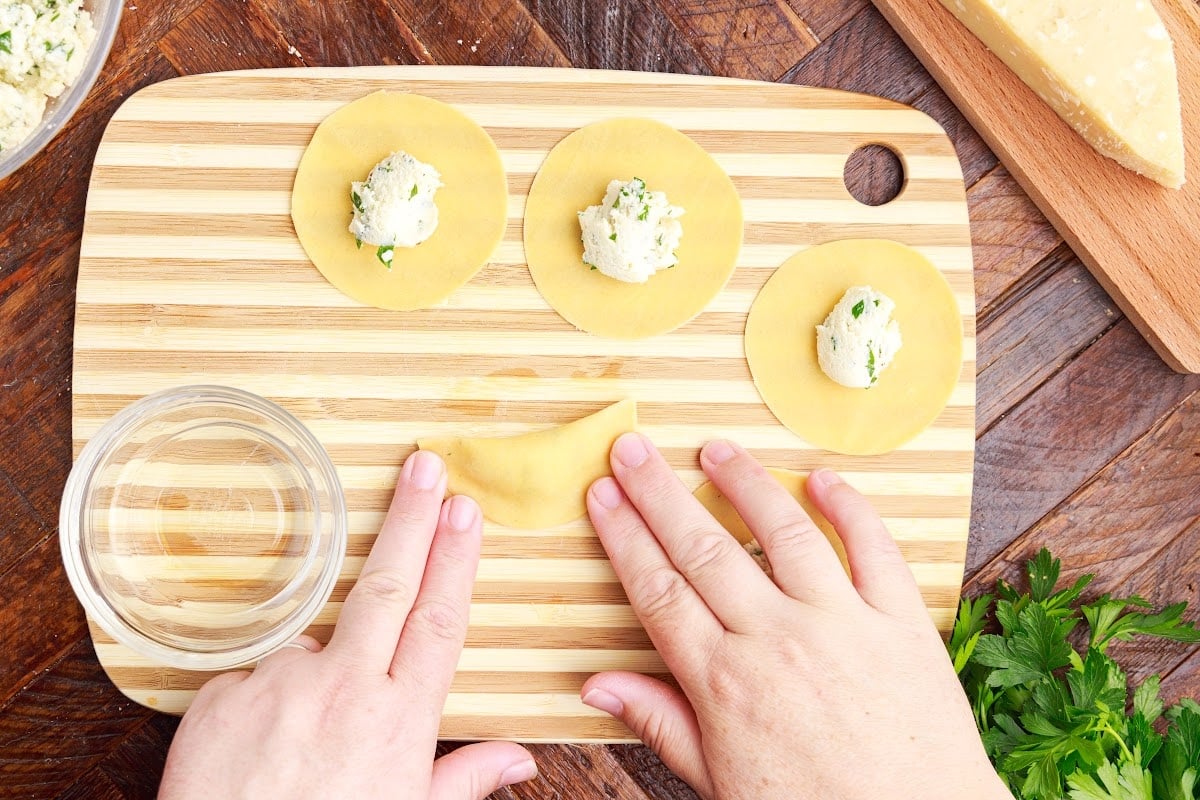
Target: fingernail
(518,773)
(462,513)
(719,451)
(424,469)
(630,449)
(607,493)
(825,477)
(608,703)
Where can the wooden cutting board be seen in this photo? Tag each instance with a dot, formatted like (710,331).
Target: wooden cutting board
(1138,239)
(190,272)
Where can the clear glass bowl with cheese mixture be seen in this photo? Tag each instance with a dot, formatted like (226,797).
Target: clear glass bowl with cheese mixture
(106,14)
(203,527)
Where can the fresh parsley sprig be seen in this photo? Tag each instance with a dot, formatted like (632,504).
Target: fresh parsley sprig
(1060,722)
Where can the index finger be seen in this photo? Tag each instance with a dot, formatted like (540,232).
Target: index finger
(368,630)
(682,627)
(703,551)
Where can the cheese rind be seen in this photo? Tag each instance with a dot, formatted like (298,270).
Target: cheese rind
(1107,68)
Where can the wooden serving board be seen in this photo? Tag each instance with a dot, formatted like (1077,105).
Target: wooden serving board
(1138,239)
(190,272)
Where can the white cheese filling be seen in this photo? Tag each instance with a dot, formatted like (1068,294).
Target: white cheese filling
(394,206)
(859,338)
(632,234)
(43,45)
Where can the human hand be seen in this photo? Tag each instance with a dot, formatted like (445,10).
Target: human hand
(806,686)
(359,718)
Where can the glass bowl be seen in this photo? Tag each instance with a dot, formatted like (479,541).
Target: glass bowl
(203,527)
(105,16)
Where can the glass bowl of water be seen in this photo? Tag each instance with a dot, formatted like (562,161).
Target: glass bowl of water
(203,527)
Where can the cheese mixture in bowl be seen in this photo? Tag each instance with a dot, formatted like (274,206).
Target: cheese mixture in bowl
(51,52)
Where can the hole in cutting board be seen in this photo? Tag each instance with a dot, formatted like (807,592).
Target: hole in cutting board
(874,175)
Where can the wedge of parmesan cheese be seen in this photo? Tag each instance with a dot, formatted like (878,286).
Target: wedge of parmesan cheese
(1105,66)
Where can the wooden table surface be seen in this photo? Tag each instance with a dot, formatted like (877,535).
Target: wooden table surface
(1087,443)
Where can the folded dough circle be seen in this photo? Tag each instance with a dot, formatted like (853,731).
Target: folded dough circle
(575,175)
(796,483)
(782,351)
(539,479)
(472,202)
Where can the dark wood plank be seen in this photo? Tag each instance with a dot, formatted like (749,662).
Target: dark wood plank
(41,618)
(1009,236)
(576,771)
(61,725)
(1060,437)
(316,30)
(824,18)
(1135,525)
(650,773)
(864,55)
(973,153)
(1159,580)
(227,34)
(36,364)
(20,522)
(1035,332)
(635,34)
(136,766)
(142,26)
(484,32)
(1182,681)
(52,187)
(94,786)
(758,41)
(1116,515)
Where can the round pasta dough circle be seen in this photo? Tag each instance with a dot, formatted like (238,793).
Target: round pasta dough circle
(575,175)
(472,202)
(782,351)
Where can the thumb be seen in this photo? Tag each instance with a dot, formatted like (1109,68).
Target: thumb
(475,771)
(659,715)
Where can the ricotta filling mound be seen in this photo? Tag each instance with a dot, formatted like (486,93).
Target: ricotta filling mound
(859,338)
(394,206)
(632,234)
(43,45)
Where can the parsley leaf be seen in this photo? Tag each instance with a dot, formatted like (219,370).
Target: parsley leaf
(1128,782)
(968,626)
(1107,621)
(858,308)
(6,42)
(1037,647)
(1054,719)
(1177,770)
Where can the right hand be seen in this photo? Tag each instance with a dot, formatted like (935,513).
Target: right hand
(806,686)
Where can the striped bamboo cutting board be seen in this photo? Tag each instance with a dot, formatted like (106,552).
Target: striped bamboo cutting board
(190,272)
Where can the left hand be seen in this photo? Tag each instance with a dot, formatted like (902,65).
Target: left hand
(360,717)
